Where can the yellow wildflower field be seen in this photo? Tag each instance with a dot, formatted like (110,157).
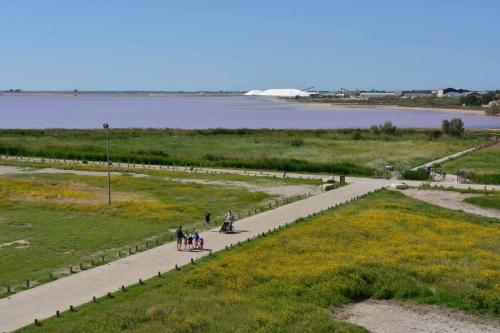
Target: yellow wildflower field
(382,246)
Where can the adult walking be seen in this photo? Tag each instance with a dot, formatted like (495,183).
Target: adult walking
(207,220)
(180,237)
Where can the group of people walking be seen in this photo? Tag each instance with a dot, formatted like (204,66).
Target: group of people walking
(189,242)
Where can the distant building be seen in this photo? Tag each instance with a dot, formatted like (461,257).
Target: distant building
(451,92)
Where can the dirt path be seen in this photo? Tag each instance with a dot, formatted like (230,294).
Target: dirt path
(495,147)
(21,243)
(400,317)
(281,190)
(452,200)
(10,170)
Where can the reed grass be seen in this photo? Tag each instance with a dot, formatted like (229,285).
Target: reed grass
(351,152)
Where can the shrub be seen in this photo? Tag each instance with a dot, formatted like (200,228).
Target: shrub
(493,111)
(213,157)
(454,128)
(445,127)
(388,128)
(357,135)
(491,178)
(434,134)
(374,129)
(419,174)
(297,142)
(471,100)
(457,128)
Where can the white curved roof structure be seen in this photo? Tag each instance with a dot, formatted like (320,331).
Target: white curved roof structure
(253,93)
(279,93)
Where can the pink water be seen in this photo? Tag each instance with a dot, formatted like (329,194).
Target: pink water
(188,112)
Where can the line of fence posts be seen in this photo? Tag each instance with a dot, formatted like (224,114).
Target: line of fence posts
(123,288)
(81,266)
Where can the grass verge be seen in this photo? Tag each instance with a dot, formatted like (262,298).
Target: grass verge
(486,201)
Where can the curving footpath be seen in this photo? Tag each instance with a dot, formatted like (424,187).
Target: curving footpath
(23,308)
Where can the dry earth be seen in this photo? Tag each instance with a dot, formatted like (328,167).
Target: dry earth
(21,243)
(451,200)
(281,190)
(493,147)
(400,317)
(9,170)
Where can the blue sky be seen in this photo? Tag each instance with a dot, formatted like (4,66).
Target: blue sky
(239,45)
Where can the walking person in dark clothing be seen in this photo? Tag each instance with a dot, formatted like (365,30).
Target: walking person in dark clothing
(180,236)
(207,220)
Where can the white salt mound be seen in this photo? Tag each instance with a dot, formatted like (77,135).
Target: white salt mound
(279,93)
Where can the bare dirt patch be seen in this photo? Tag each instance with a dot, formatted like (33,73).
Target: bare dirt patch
(281,190)
(452,200)
(22,243)
(20,225)
(400,317)
(10,170)
(495,147)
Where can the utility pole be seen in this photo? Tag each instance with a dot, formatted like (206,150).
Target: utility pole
(106,128)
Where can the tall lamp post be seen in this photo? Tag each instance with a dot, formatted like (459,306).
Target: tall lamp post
(106,128)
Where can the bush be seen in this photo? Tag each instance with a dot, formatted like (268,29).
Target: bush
(297,142)
(454,128)
(357,135)
(419,174)
(471,100)
(374,129)
(492,178)
(493,111)
(434,134)
(213,157)
(445,127)
(388,128)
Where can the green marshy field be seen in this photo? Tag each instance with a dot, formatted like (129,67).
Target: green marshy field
(350,151)
(383,246)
